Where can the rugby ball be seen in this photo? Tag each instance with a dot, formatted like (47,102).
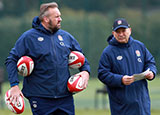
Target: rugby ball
(25,66)
(16,108)
(76,60)
(75,83)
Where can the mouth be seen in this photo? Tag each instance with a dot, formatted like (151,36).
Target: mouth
(59,24)
(121,39)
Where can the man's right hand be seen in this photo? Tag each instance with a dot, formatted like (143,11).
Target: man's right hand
(127,80)
(15,93)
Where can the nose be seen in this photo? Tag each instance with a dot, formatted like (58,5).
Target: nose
(120,33)
(60,19)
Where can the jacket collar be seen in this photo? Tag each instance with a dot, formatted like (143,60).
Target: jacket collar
(36,23)
(112,41)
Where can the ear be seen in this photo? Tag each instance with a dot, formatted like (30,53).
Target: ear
(113,32)
(46,19)
(130,31)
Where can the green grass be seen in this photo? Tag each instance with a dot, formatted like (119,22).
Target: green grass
(154,89)
(86,98)
(84,101)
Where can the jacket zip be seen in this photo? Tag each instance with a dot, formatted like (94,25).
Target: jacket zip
(54,52)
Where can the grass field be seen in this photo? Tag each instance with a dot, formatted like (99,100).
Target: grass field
(85,100)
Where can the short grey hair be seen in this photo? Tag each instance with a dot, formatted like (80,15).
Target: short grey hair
(44,8)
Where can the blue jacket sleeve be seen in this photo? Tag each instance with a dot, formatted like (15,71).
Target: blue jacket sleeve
(150,62)
(105,75)
(11,61)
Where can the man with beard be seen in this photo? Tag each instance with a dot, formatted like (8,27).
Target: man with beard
(49,47)
(120,60)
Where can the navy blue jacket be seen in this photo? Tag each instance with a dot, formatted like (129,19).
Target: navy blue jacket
(118,60)
(49,52)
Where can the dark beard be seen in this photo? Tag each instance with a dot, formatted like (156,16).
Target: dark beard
(51,28)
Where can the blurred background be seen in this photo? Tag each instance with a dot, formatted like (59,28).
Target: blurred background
(90,22)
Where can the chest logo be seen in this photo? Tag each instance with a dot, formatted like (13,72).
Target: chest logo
(62,44)
(40,39)
(138,53)
(119,57)
(139,60)
(60,38)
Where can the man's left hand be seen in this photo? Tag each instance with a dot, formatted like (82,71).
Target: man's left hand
(149,75)
(85,78)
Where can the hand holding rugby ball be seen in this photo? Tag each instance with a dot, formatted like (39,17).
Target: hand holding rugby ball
(75,83)
(16,108)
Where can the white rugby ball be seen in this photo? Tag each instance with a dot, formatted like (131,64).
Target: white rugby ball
(16,108)
(75,83)
(76,60)
(25,66)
